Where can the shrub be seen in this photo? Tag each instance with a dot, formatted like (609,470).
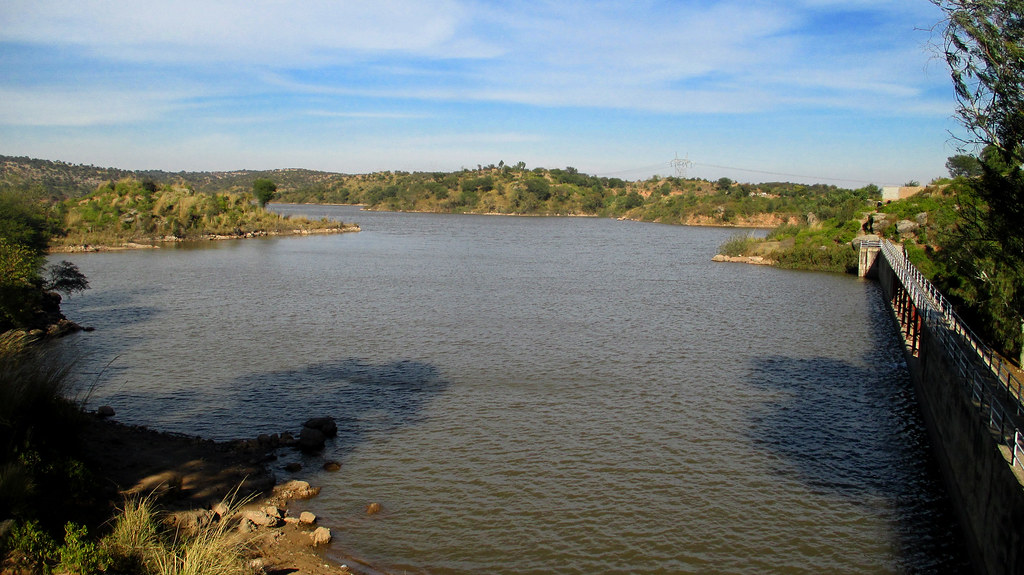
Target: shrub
(840,258)
(28,546)
(78,554)
(738,245)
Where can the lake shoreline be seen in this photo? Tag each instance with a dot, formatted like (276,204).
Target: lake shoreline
(157,243)
(144,462)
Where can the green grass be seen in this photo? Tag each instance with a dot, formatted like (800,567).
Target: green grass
(825,247)
(738,245)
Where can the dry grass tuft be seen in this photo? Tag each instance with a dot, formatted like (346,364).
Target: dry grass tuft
(212,547)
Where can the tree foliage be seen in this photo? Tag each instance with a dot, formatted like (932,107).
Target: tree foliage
(963,166)
(66,278)
(264,190)
(24,233)
(130,211)
(984,47)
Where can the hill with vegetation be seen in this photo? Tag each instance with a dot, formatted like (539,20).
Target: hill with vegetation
(131,211)
(493,189)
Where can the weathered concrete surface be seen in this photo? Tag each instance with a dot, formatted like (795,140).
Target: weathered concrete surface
(867,265)
(987,494)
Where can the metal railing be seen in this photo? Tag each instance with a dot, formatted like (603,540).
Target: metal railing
(991,381)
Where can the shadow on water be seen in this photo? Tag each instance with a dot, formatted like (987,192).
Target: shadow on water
(365,399)
(855,432)
(115,307)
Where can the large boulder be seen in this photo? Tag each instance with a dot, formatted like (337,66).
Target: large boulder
(311,440)
(325,425)
(262,518)
(905,227)
(293,490)
(863,238)
(320,536)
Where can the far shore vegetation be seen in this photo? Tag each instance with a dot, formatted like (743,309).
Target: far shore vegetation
(130,210)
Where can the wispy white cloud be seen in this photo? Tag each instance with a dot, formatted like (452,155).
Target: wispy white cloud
(241,31)
(465,139)
(645,55)
(367,115)
(474,74)
(81,108)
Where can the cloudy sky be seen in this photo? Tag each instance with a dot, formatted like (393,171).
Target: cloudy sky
(838,91)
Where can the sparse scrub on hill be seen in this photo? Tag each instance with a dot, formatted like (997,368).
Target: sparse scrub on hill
(133,211)
(506,189)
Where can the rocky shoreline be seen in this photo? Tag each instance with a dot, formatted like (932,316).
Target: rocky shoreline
(756,260)
(155,242)
(190,478)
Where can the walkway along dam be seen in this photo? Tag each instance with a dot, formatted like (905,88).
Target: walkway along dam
(970,400)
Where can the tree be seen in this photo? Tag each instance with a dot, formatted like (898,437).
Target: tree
(264,190)
(963,166)
(66,278)
(984,47)
(723,184)
(539,188)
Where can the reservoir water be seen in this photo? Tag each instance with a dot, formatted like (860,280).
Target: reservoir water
(538,395)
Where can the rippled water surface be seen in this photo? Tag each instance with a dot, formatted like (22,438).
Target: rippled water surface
(539,395)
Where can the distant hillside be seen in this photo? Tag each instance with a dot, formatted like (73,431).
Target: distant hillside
(56,180)
(61,180)
(493,189)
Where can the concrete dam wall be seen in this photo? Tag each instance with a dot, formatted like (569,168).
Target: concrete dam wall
(970,400)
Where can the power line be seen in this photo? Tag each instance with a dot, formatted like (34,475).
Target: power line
(784,174)
(630,171)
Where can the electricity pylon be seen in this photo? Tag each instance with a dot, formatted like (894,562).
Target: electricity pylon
(681,165)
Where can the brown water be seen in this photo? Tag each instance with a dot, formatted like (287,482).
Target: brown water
(540,395)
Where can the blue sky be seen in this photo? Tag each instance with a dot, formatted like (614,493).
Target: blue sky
(838,91)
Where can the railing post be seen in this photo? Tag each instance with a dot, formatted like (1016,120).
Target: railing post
(1013,452)
(917,303)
